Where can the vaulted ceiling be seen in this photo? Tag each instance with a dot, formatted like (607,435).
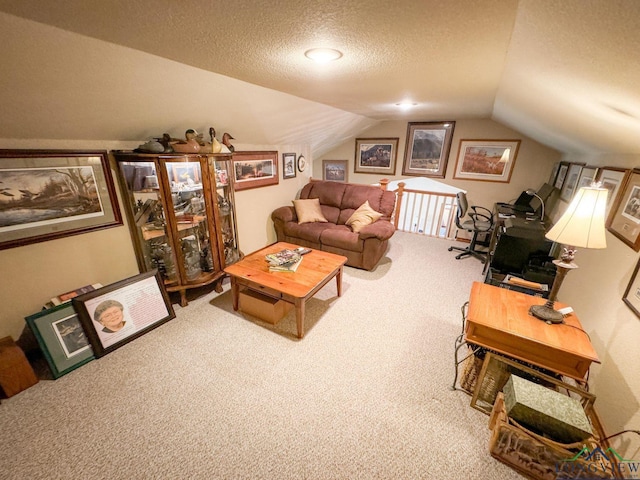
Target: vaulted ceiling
(564,72)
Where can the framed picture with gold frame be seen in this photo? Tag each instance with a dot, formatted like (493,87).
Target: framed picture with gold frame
(427,148)
(486,160)
(376,155)
(624,219)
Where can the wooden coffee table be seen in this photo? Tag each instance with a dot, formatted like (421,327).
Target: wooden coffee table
(315,271)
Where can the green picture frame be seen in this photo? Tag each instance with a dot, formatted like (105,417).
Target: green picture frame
(61,338)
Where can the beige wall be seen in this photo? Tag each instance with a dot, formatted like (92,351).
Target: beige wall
(532,167)
(595,292)
(32,274)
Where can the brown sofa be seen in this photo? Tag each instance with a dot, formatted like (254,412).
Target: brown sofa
(338,201)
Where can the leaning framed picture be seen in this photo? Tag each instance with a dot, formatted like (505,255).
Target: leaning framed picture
(376,155)
(612,178)
(486,160)
(254,169)
(288,165)
(335,170)
(61,338)
(118,313)
(562,175)
(571,181)
(49,194)
(631,295)
(624,219)
(427,148)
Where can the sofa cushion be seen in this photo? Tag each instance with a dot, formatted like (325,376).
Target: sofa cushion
(309,211)
(363,216)
(309,232)
(342,237)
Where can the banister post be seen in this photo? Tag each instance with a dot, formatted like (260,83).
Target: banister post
(383,183)
(398,203)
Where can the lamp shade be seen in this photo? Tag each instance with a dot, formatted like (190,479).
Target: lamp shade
(582,224)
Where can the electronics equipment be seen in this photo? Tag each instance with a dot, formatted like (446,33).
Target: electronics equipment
(530,204)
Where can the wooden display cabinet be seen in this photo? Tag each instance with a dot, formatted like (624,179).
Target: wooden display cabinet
(181,213)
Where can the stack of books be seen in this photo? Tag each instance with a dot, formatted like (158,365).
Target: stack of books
(284,261)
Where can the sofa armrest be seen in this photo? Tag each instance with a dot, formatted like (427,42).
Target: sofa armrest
(284,214)
(382,230)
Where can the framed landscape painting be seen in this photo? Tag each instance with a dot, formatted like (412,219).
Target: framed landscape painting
(376,155)
(624,220)
(427,148)
(50,194)
(254,169)
(486,160)
(335,170)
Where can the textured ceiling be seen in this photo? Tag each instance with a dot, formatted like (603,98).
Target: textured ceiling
(565,72)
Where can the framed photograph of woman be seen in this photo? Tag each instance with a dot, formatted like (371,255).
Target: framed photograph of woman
(427,148)
(61,338)
(376,155)
(624,220)
(118,313)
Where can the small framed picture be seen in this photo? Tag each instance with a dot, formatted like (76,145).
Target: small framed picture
(612,178)
(427,148)
(61,338)
(554,173)
(288,165)
(571,182)
(624,219)
(376,155)
(562,174)
(118,313)
(254,169)
(486,160)
(587,177)
(335,170)
(632,294)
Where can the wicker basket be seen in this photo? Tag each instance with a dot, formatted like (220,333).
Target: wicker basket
(538,457)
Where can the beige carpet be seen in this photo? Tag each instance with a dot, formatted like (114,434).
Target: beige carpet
(212,394)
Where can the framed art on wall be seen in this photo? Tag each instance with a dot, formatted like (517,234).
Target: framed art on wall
(254,169)
(612,178)
(50,194)
(427,148)
(570,182)
(118,313)
(624,219)
(335,170)
(631,295)
(61,338)
(587,177)
(562,174)
(486,160)
(288,165)
(376,155)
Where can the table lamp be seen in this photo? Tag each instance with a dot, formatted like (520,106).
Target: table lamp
(534,194)
(581,225)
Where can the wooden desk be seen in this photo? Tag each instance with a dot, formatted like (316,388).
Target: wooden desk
(498,319)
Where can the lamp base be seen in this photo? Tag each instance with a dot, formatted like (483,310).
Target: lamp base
(546,314)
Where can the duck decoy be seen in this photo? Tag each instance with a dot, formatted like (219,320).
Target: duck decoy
(226,141)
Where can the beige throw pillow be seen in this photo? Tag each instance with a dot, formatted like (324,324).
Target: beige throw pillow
(363,216)
(309,211)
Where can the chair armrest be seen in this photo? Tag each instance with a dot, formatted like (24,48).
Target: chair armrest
(284,214)
(381,229)
(478,217)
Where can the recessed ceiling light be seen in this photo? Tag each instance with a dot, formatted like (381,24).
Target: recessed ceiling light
(406,105)
(323,55)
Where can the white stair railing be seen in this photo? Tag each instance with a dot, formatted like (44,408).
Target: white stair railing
(425,213)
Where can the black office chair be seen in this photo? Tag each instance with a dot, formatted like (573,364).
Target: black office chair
(479,222)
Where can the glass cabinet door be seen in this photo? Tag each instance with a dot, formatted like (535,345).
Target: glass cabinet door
(150,229)
(189,210)
(226,210)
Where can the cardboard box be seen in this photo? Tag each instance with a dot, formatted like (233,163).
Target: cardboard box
(267,309)
(559,416)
